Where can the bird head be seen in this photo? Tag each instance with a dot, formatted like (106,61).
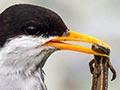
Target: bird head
(31,33)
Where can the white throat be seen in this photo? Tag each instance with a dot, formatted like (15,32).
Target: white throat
(23,54)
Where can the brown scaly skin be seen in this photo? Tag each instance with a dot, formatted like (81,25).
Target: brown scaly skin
(99,69)
(110,66)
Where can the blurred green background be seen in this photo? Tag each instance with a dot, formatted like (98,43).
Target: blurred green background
(66,70)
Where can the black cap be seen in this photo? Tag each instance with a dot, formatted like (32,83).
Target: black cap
(24,19)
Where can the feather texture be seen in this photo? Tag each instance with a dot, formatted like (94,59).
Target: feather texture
(20,63)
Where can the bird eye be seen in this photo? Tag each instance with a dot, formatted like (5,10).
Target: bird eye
(31,29)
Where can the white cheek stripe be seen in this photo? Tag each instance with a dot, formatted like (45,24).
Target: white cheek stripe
(22,50)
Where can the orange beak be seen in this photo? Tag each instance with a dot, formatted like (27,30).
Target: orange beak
(59,42)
